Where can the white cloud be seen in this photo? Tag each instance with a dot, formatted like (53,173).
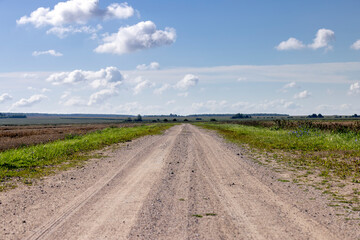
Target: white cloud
(188,81)
(183,94)
(290,44)
(43,90)
(5,97)
(73,101)
(119,10)
(100,96)
(334,108)
(129,108)
(163,88)
(106,77)
(30,76)
(75,11)
(241,79)
(29,102)
(276,105)
(170,102)
(354,88)
(141,86)
(356,45)
(48,52)
(63,32)
(143,35)
(287,86)
(323,39)
(302,95)
(210,106)
(290,85)
(65,94)
(151,66)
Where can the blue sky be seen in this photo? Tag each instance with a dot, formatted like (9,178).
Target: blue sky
(184,57)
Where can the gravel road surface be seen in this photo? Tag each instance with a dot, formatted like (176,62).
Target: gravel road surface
(185,184)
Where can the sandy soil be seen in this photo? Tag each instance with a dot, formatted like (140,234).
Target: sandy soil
(185,184)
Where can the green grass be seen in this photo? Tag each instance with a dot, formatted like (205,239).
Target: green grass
(330,152)
(210,214)
(43,159)
(283,180)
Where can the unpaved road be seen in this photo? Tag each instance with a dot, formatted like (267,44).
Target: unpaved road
(158,187)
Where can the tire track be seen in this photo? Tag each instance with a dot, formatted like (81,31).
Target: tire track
(143,165)
(256,210)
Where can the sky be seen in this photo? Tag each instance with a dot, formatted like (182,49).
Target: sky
(183,57)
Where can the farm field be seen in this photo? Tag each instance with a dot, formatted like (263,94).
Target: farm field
(14,136)
(27,135)
(39,160)
(188,183)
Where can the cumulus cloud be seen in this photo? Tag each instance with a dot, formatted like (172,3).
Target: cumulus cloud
(287,86)
(5,97)
(143,35)
(48,52)
(188,81)
(100,96)
(75,11)
(119,10)
(63,32)
(29,102)
(290,85)
(356,45)
(354,88)
(151,66)
(43,90)
(73,101)
(302,95)
(142,85)
(162,89)
(290,44)
(323,39)
(106,77)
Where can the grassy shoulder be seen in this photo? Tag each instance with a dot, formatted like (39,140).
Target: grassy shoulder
(40,160)
(335,152)
(326,160)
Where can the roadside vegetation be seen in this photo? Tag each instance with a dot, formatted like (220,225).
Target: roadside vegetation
(39,160)
(325,156)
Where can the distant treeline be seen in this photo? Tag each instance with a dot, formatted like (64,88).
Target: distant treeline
(12,115)
(78,115)
(249,115)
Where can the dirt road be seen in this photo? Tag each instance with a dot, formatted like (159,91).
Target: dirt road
(185,184)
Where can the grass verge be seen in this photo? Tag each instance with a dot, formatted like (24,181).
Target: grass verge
(43,159)
(337,153)
(325,160)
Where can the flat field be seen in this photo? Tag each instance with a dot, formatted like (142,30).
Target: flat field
(15,136)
